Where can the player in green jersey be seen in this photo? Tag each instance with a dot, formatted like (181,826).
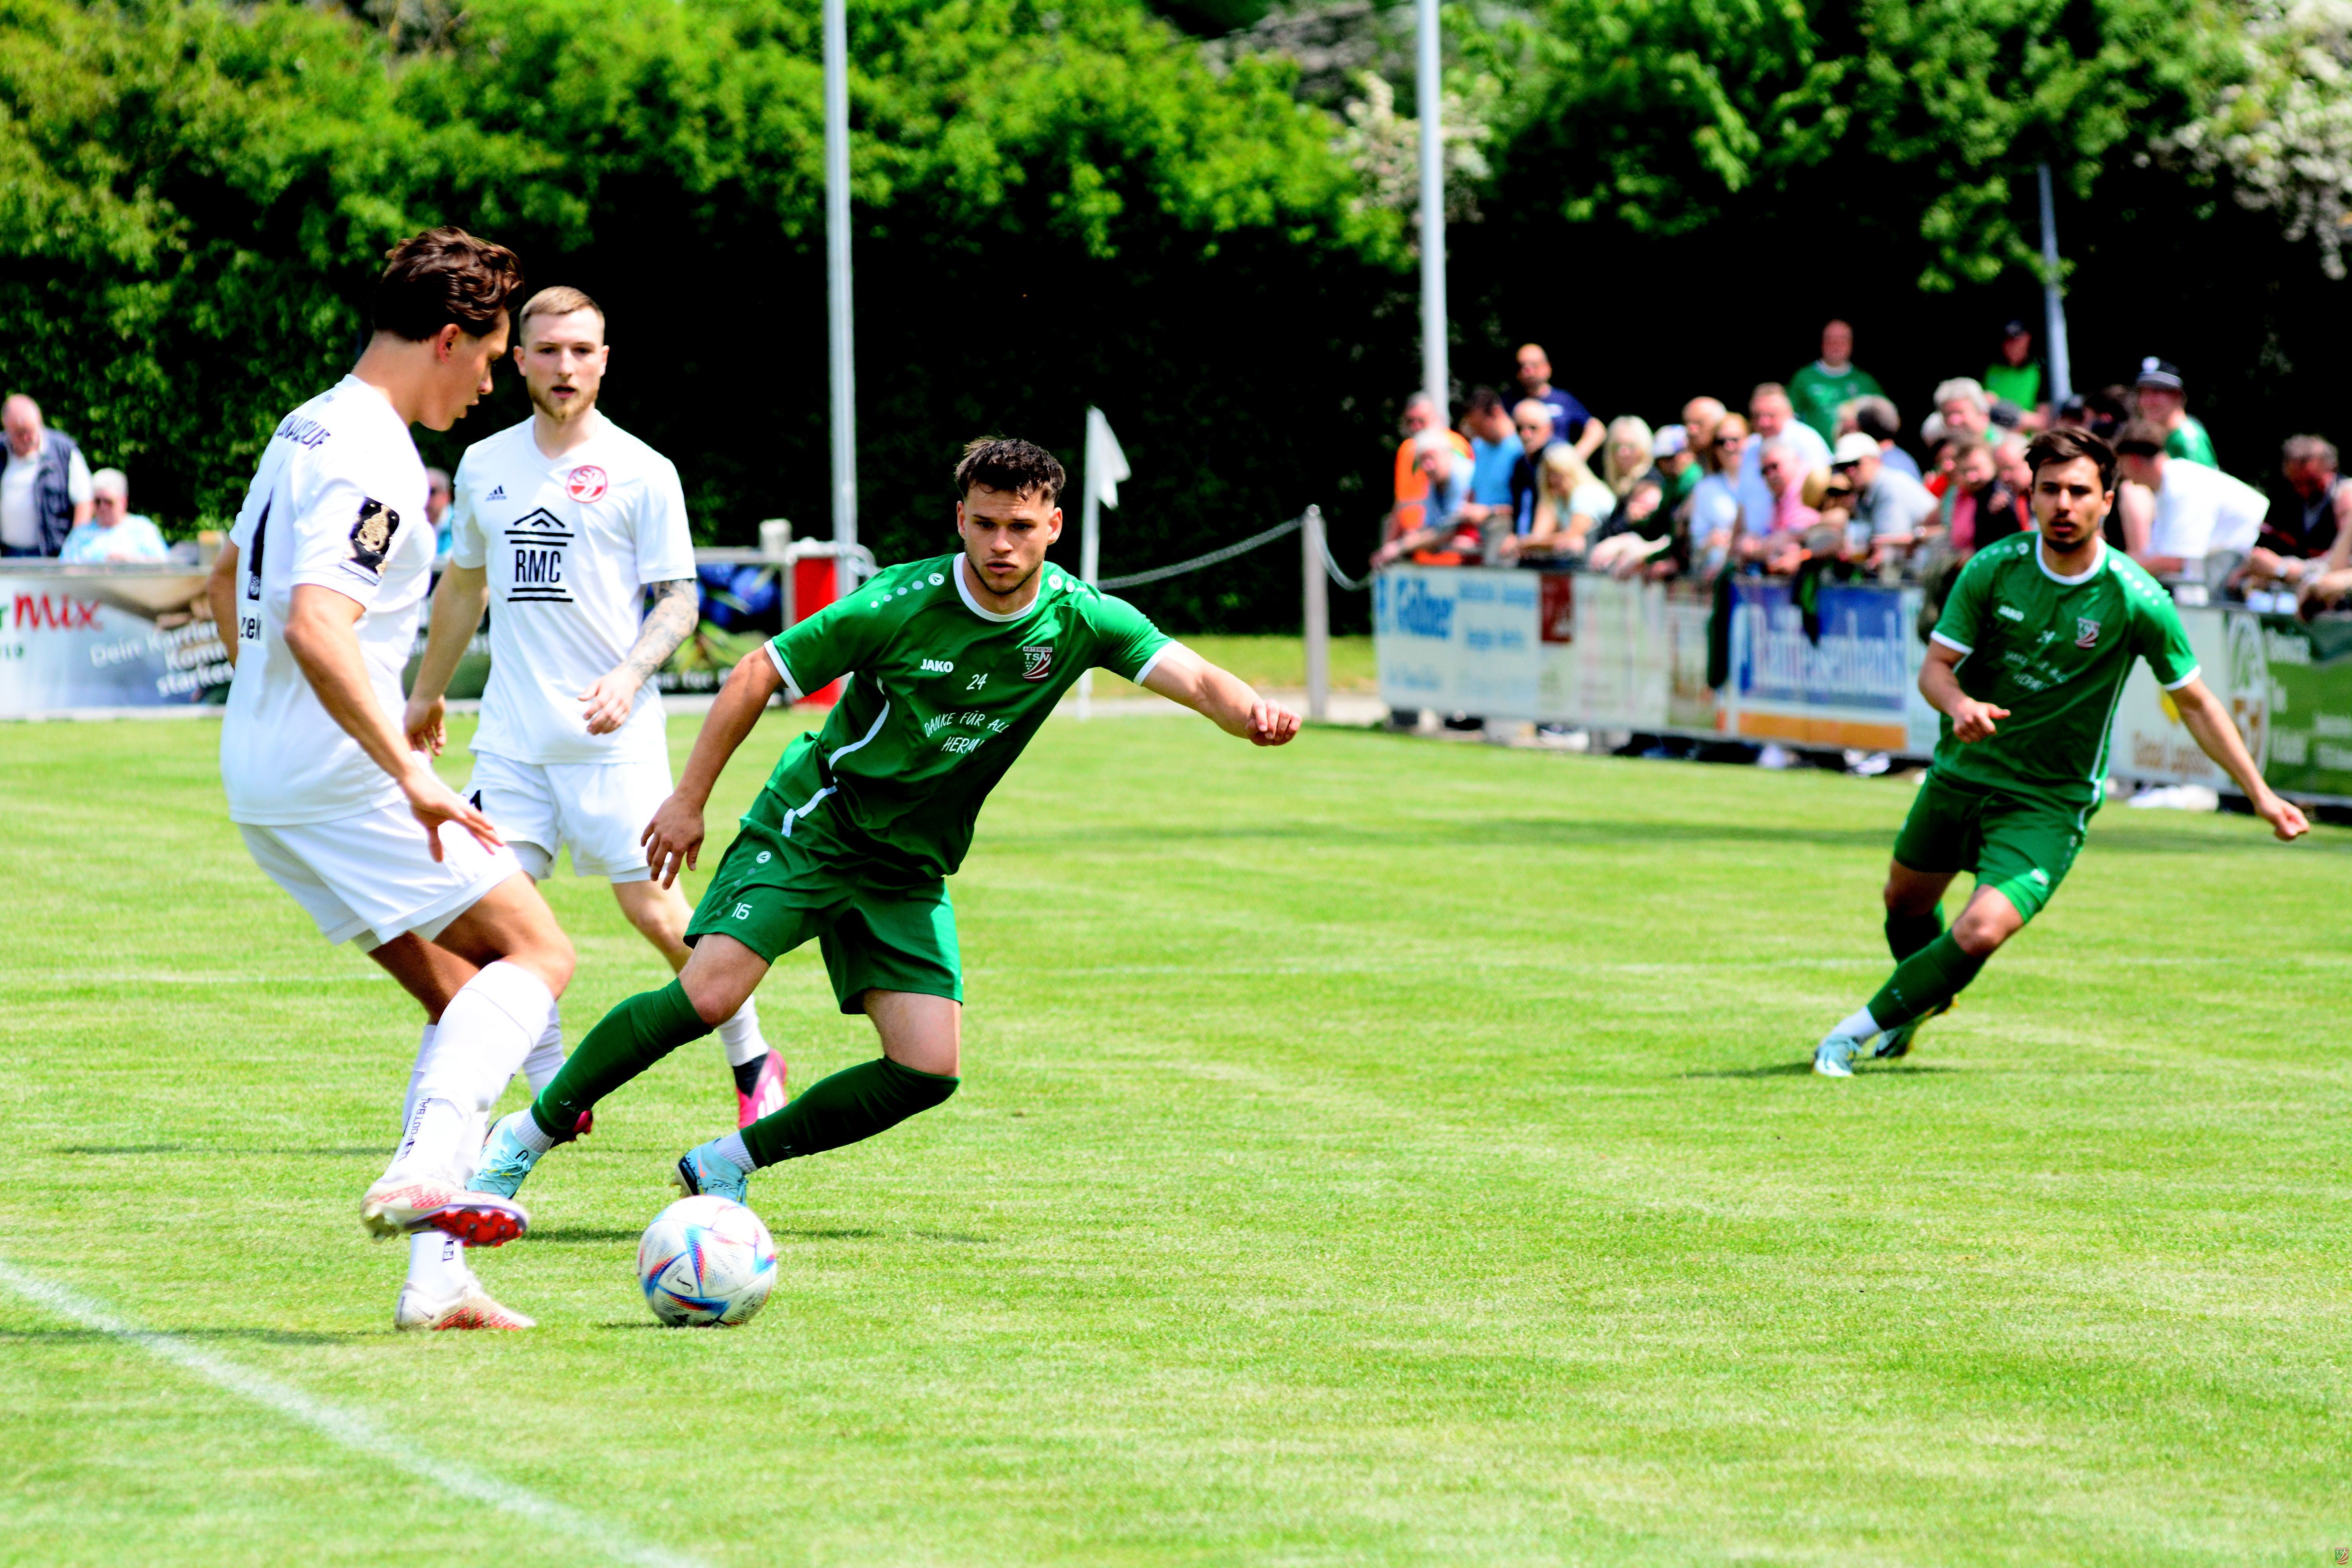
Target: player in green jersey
(2026,665)
(952,664)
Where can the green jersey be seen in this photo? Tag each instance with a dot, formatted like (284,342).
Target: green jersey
(2190,444)
(2056,652)
(1816,391)
(942,696)
(2017,383)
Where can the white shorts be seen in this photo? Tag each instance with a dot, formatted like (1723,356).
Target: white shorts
(372,877)
(597,810)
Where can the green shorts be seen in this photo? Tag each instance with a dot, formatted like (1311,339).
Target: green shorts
(2019,845)
(773,893)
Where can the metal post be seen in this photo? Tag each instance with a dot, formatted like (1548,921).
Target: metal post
(836,255)
(1436,379)
(1317,616)
(2053,303)
(1089,550)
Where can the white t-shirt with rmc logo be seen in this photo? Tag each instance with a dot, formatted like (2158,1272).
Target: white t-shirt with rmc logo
(569,543)
(338,502)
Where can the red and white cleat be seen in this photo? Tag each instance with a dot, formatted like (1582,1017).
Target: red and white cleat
(398,1205)
(767,1096)
(471,1308)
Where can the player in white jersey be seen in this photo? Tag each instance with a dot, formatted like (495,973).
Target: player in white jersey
(568,523)
(321,580)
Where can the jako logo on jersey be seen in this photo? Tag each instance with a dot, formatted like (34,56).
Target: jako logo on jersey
(938,666)
(1035,662)
(2086,632)
(2009,614)
(2041,876)
(585,482)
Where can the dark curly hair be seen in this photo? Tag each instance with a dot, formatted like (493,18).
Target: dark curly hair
(2066,444)
(1003,464)
(441,276)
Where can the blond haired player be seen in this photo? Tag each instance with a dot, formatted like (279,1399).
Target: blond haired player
(569,523)
(321,579)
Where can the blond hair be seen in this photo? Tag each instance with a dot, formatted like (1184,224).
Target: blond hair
(559,300)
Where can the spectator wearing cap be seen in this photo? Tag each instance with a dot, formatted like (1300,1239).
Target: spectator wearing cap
(2162,399)
(114,532)
(45,490)
(1877,418)
(2303,523)
(2185,514)
(1412,482)
(2014,377)
(1671,452)
(1817,390)
(1571,421)
(1894,505)
(1452,518)
(1494,447)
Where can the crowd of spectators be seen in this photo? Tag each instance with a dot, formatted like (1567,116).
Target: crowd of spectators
(1816,474)
(52,505)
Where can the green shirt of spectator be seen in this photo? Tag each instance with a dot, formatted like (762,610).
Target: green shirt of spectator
(2163,397)
(1819,388)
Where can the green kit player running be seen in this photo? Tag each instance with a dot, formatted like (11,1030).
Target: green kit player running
(2026,667)
(952,664)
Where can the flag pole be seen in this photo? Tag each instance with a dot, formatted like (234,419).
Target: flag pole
(1435,378)
(2053,301)
(836,26)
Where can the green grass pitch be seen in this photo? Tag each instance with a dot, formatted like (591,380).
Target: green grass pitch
(1382,1151)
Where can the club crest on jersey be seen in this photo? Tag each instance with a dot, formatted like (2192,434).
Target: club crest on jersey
(2086,632)
(584,483)
(372,536)
(1036,661)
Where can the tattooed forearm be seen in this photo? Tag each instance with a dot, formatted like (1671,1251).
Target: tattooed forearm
(676,607)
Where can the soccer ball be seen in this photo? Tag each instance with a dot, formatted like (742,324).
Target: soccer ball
(705,1261)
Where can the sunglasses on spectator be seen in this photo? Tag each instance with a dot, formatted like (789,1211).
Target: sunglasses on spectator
(1729,440)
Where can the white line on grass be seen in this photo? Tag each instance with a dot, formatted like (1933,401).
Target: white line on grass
(353,1430)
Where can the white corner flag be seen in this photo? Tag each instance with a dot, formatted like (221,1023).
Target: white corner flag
(1106,465)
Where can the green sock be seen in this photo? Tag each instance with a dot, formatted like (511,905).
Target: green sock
(1922,983)
(625,1042)
(1906,934)
(854,1103)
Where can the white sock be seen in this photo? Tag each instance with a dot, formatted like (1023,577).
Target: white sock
(546,1056)
(436,1130)
(740,1036)
(527,1133)
(730,1149)
(416,1073)
(437,1265)
(1861,1026)
(485,1033)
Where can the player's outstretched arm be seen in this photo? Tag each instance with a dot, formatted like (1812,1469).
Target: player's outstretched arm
(456,613)
(322,634)
(2217,737)
(1226,700)
(220,593)
(1939,683)
(678,605)
(674,837)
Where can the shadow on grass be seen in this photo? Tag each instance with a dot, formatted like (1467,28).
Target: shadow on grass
(575,1235)
(250,1336)
(372,1151)
(1799,1069)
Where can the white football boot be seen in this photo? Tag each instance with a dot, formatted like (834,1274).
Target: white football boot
(471,1307)
(402,1205)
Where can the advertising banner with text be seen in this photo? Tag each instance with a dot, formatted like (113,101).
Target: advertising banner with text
(87,640)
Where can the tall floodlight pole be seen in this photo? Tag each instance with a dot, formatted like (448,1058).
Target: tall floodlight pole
(2053,302)
(836,271)
(1436,379)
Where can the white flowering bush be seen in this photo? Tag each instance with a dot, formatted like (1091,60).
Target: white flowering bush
(2284,134)
(1384,147)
